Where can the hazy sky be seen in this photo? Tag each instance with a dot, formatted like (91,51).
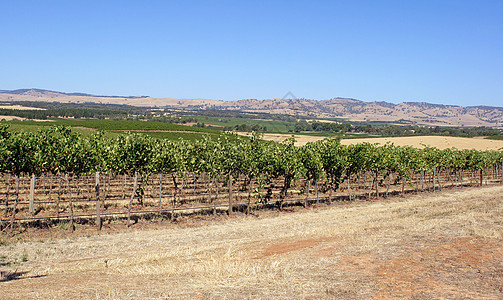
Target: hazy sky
(438,51)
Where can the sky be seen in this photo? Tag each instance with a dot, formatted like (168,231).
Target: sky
(446,52)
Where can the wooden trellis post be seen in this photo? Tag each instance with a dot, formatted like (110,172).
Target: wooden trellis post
(32,194)
(160,190)
(349,188)
(230,194)
(13,218)
(135,187)
(98,202)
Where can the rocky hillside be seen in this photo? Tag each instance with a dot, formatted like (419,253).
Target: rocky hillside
(355,110)
(350,109)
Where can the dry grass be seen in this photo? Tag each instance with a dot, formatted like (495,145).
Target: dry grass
(9,118)
(15,107)
(146,101)
(360,250)
(441,142)
(278,137)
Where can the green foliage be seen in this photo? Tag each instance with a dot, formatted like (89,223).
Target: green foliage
(4,151)
(311,159)
(131,153)
(495,137)
(21,150)
(65,113)
(116,125)
(64,151)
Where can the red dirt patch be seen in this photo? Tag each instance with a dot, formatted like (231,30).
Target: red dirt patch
(444,268)
(462,267)
(327,251)
(289,247)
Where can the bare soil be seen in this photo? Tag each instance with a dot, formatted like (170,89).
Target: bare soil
(444,245)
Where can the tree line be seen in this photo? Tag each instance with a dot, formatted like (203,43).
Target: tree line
(64,113)
(395,130)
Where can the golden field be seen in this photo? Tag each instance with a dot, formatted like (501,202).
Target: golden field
(441,142)
(429,246)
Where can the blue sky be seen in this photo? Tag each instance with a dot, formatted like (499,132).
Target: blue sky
(448,52)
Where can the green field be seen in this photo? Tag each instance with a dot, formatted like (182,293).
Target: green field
(189,136)
(272,125)
(116,127)
(496,137)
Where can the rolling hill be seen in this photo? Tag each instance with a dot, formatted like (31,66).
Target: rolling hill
(349,109)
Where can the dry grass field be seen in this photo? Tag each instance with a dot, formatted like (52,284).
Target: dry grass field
(278,137)
(141,101)
(9,118)
(441,142)
(432,245)
(20,107)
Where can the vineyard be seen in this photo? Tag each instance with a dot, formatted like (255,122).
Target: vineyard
(57,174)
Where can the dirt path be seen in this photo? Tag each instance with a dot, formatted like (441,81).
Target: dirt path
(443,245)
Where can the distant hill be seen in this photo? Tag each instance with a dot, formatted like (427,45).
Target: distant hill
(350,109)
(53,94)
(356,110)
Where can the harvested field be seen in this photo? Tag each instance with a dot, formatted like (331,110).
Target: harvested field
(18,107)
(441,142)
(9,118)
(432,245)
(278,137)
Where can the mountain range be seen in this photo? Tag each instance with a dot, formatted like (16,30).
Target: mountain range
(420,113)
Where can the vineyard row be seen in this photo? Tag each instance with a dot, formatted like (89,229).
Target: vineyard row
(56,173)
(59,197)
